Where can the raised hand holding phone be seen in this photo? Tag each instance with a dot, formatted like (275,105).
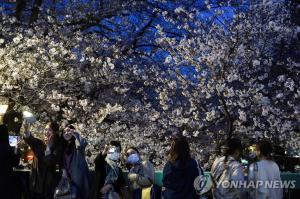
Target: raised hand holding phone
(26,129)
(13,141)
(29,117)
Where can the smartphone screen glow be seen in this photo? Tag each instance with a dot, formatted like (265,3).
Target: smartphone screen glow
(13,140)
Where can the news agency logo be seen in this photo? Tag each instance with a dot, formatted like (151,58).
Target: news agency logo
(268,184)
(202,184)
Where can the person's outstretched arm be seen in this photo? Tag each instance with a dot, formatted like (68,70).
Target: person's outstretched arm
(147,178)
(36,145)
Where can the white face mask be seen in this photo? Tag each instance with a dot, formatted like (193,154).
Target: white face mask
(113,154)
(252,155)
(133,158)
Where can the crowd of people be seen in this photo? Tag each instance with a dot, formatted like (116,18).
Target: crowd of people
(64,151)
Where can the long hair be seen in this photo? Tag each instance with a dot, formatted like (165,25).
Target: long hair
(69,146)
(55,127)
(180,150)
(56,134)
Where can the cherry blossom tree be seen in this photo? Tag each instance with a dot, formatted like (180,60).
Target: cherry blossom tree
(246,70)
(142,71)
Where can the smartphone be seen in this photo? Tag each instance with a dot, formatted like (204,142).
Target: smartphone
(244,161)
(29,117)
(13,140)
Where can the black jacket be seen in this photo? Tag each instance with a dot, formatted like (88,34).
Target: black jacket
(8,183)
(43,176)
(178,179)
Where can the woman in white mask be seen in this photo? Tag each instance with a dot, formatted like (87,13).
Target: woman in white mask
(108,181)
(141,173)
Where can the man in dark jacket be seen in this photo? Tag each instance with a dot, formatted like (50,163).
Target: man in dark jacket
(47,158)
(9,158)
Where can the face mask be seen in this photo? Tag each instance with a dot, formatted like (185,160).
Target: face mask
(133,158)
(113,154)
(252,155)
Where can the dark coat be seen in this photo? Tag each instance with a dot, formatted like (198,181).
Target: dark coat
(43,176)
(7,178)
(79,168)
(9,159)
(178,180)
(8,185)
(102,168)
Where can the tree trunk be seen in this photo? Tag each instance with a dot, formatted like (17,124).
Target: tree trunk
(35,11)
(227,115)
(20,7)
